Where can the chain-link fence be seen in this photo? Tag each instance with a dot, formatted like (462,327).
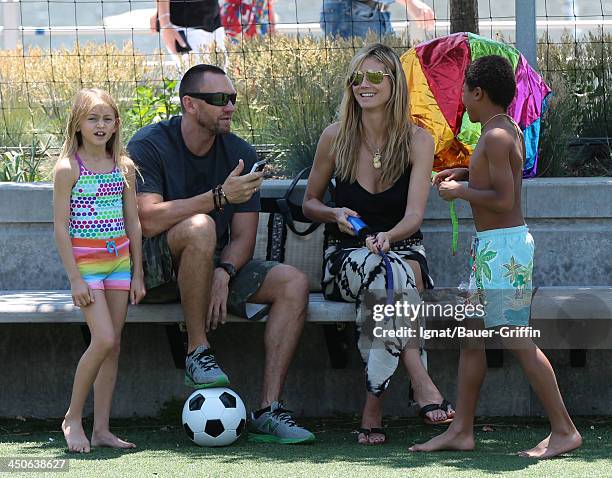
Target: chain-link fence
(287,72)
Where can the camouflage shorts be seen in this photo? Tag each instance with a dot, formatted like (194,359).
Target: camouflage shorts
(160,276)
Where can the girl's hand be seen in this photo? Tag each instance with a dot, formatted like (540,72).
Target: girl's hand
(137,289)
(378,243)
(341,214)
(82,295)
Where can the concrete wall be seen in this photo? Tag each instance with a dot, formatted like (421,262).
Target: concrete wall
(571,220)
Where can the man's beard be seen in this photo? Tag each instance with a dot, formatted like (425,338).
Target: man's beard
(215,128)
(222,129)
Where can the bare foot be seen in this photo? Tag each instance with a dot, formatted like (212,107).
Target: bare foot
(75,436)
(553,445)
(107,439)
(449,440)
(538,449)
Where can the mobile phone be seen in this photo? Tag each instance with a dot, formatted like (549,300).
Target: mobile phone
(259,166)
(179,48)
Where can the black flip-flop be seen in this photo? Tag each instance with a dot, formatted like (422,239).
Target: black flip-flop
(368,431)
(444,406)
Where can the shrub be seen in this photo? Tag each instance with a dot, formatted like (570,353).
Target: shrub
(23,164)
(151,104)
(577,129)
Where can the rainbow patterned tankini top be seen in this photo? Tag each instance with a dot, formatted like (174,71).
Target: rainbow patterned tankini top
(96,204)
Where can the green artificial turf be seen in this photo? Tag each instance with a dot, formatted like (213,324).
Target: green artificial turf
(164,450)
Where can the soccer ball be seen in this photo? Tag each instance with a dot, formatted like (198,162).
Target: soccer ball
(214,416)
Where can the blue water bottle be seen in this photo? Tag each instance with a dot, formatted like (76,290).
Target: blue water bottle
(360,227)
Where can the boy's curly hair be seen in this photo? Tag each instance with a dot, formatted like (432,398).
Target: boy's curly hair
(495,75)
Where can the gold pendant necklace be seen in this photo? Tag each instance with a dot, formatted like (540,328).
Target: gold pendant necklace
(376,160)
(376,156)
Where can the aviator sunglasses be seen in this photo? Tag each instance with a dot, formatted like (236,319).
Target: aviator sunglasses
(374,77)
(215,99)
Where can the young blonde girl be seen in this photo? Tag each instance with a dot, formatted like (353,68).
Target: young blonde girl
(97,232)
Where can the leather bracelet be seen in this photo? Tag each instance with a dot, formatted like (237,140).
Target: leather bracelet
(217,191)
(223,194)
(215,198)
(220,196)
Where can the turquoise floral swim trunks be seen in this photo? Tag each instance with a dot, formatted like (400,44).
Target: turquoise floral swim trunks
(501,275)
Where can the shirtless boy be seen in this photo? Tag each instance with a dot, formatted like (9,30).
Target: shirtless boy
(504,247)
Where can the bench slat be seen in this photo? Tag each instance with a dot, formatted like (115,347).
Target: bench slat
(55,306)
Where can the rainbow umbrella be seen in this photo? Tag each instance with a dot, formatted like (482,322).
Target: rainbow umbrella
(435,72)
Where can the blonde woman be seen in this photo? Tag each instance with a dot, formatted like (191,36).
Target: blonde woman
(98,237)
(382,164)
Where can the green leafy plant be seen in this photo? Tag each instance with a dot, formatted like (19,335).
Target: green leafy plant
(576,132)
(151,105)
(23,164)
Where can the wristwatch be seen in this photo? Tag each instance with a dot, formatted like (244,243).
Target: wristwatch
(229,268)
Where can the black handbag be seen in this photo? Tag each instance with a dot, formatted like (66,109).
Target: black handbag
(286,213)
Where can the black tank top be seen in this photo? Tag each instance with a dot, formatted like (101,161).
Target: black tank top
(381,211)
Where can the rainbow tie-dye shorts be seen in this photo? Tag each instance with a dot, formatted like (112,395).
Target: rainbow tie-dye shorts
(103,263)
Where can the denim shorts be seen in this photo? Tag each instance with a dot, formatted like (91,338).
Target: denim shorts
(346,18)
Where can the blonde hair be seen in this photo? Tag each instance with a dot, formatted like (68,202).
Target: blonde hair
(396,151)
(85,100)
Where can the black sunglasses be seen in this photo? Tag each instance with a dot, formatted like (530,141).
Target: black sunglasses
(215,99)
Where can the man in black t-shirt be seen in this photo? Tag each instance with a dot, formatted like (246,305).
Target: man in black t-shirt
(199,208)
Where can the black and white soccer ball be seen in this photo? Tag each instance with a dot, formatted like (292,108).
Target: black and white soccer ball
(214,416)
